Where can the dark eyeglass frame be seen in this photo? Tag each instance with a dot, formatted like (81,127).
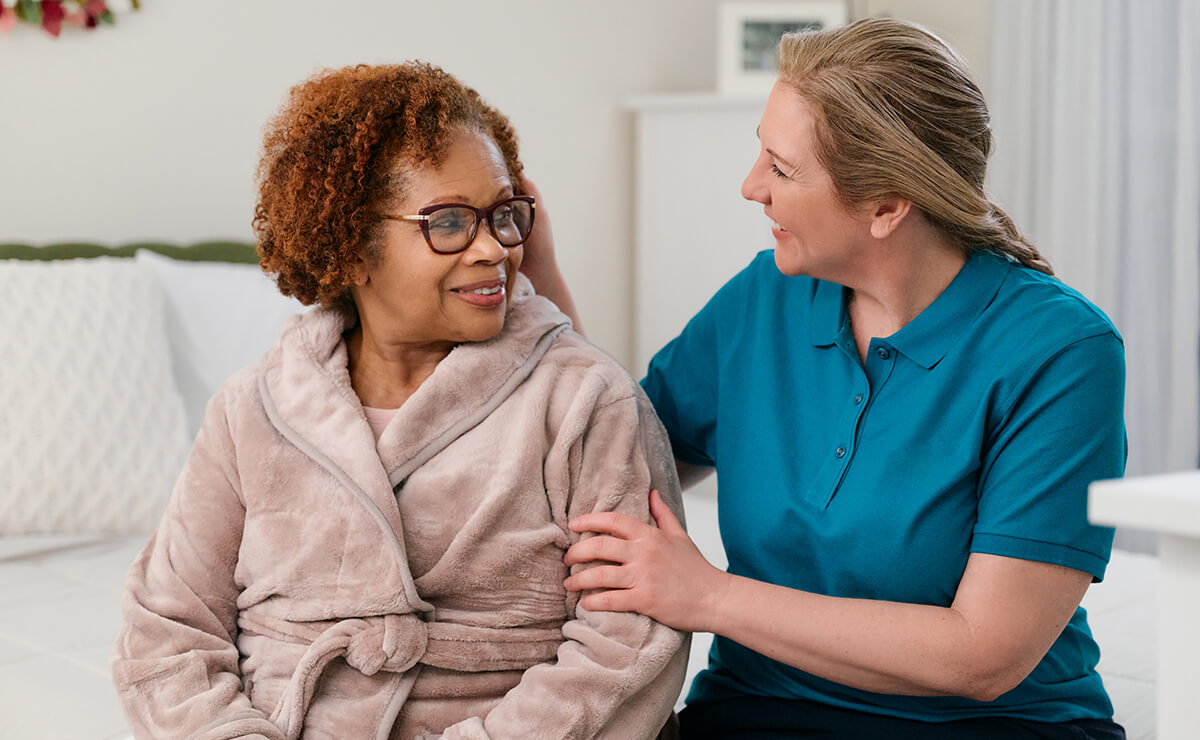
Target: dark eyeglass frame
(482,215)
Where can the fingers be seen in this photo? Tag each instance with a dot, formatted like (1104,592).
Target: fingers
(610,522)
(602,576)
(610,601)
(598,548)
(663,516)
(530,187)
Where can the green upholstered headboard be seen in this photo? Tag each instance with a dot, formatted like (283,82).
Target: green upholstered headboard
(214,251)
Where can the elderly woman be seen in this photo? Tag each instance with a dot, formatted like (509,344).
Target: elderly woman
(905,409)
(368,538)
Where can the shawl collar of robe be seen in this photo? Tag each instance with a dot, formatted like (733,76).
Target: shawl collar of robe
(306,390)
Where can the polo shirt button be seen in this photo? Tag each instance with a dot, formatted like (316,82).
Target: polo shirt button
(883,353)
(857,398)
(840,452)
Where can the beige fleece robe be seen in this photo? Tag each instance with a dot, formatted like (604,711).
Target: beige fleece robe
(306,581)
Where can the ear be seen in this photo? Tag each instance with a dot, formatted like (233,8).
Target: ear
(887,216)
(360,274)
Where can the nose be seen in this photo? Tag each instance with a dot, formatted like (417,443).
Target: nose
(485,250)
(753,186)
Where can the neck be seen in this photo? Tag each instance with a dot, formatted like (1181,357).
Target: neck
(383,373)
(899,280)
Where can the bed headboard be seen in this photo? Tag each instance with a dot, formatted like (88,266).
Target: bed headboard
(211,251)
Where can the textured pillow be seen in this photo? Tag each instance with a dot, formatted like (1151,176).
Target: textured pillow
(92,430)
(220,317)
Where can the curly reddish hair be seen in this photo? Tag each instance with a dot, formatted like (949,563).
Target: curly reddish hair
(330,160)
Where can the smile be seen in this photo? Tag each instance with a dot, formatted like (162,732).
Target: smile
(488,294)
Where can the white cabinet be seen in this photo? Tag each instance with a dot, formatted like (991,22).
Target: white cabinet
(694,229)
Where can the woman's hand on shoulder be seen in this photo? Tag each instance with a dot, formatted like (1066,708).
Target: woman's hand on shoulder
(655,571)
(539,262)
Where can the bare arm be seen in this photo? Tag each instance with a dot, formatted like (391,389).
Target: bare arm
(540,265)
(1005,616)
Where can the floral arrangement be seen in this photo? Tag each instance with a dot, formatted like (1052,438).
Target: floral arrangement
(52,15)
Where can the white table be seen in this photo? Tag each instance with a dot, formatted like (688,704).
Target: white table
(1169,505)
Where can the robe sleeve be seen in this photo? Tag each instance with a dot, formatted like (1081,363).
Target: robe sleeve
(616,675)
(176,665)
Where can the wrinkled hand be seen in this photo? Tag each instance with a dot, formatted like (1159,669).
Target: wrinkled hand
(655,571)
(538,262)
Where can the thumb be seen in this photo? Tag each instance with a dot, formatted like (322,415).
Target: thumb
(663,516)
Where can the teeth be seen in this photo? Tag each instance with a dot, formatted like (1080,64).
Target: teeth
(777,226)
(486,291)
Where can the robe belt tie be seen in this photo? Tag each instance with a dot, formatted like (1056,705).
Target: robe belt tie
(394,643)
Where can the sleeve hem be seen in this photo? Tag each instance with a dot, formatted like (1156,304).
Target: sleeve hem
(1040,551)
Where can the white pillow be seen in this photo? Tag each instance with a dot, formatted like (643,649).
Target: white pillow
(92,430)
(220,317)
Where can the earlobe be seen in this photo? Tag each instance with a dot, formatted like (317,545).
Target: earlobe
(888,215)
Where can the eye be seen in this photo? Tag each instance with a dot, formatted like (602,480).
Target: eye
(503,216)
(778,172)
(450,220)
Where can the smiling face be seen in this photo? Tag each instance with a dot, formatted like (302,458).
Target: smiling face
(413,296)
(814,232)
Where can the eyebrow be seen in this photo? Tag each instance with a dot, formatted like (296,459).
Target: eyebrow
(458,198)
(790,166)
(772,152)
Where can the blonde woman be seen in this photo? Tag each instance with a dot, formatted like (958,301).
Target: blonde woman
(908,410)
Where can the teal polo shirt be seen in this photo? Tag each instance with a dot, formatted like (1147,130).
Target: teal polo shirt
(975,428)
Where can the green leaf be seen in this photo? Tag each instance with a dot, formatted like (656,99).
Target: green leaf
(29,10)
(107,17)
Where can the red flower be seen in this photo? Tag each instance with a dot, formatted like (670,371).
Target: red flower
(52,16)
(94,9)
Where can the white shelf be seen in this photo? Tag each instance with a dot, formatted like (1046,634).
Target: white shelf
(1162,503)
(1170,505)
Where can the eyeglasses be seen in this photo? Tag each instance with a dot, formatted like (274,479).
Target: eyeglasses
(449,228)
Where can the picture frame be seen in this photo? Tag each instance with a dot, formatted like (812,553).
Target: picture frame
(748,33)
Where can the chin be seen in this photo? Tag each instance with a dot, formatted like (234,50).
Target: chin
(483,331)
(789,263)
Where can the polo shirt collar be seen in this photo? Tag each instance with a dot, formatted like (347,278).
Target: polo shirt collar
(828,314)
(926,339)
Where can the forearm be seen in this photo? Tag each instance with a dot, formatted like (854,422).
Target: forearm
(880,646)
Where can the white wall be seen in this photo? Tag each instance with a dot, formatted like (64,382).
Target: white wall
(150,129)
(964,24)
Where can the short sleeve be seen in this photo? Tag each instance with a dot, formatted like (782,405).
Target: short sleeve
(1063,429)
(683,379)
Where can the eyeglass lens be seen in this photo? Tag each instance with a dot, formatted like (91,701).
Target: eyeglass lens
(452,229)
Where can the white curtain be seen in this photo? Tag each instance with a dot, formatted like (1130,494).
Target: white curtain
(1096,119)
